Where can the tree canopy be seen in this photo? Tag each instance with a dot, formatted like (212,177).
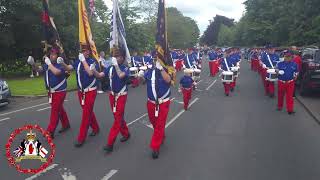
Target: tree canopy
(21,30)
(281,23)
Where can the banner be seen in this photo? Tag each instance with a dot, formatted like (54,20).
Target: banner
(117,33)
(50,33)
(162,48)
(85,35)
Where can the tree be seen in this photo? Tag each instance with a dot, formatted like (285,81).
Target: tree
(183,32)
(210,35)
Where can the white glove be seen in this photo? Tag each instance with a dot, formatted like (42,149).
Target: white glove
(264,66)
(81,57)
(141,73)
(159,66)
(114,61)
(60,60)
(179,90)
(47,61)
(281,72)
(30,60)
(92,67)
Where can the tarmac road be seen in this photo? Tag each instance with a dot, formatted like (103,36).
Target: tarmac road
(241,137)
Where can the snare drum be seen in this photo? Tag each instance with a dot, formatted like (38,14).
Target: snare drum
(196,74)
(227,76)
(235,71)
(143,68)
(134,71)
(272,75)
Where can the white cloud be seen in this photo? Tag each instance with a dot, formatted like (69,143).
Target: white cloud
(204,10)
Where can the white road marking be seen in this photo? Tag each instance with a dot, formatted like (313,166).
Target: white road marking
(144,115)
(67,174)
(180,113)
(4,119)
(180,102)
(43,109)
(211,85)
(27,108)
(23,109)
(110,174)
(42,172)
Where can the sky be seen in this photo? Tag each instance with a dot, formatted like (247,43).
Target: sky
(204,10)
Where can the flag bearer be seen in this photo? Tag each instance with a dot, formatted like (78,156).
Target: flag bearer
(56,84)
(87,92)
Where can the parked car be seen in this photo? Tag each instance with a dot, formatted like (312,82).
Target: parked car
(5,93)
(310,73)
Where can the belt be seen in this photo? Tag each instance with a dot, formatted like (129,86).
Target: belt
(160,100)
(118,94)
(89,89)
(286,81)
(53,91)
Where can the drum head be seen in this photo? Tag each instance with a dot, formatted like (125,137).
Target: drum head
(133,69)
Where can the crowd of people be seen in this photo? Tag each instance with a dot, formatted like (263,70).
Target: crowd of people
(115,74)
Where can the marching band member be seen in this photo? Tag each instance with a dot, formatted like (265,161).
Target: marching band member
(147,59)
(186,83)
(213,57)
(56,84)
(287,74)
(269,59)
(189,59)
(87,92)
(158,91)
(136,62)
(235,58)
(118,74)
(226,64)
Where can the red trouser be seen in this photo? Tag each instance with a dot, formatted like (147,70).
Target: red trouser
(187,93)
(269,87)
(88,116)
(178,65)
(135,82)
(286,88)
(211,68)
(263,75)
(119,124)
(158,123)
(227,87)
(57,111)
(233,84)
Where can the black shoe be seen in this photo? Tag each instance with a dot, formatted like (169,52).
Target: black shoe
(232,89)
(78,144)
(64,129)
(124,139)
(271,95)
(108,148)
(155,154)
(279,109)
(291,113)
(227,94)
(93,133)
